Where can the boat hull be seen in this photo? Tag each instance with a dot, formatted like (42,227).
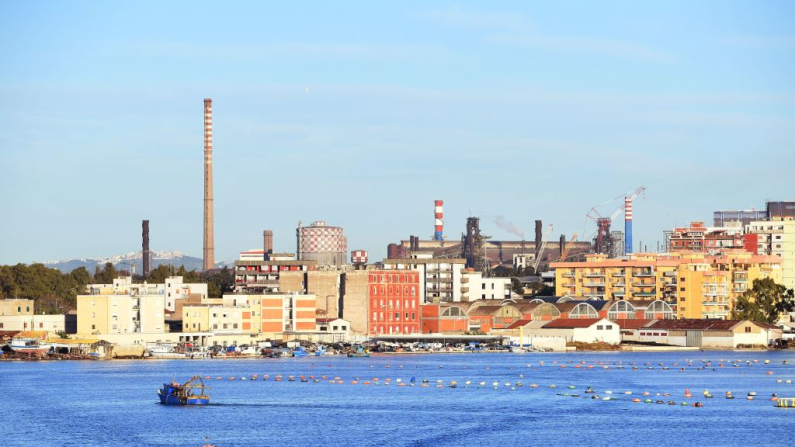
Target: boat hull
(166,399)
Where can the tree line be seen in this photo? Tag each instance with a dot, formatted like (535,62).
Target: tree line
(55,292)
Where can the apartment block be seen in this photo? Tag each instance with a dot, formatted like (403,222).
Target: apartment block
(777,238)
(394,301)
(440,278)
(120,314)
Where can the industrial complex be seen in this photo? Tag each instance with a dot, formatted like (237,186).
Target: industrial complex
(450,285)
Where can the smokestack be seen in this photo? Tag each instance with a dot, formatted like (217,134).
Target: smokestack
(209,243)
(145,247)
(538,236)
(268,241)
(627,225)
(439,215)
(562,246)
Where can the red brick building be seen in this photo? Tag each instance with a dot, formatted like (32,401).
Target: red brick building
(703,239)
(394,302)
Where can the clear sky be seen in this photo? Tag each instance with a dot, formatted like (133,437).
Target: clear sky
(525,110)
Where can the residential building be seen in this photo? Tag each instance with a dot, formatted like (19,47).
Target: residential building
(699,285)
(176,289)
(737,217)
(265,275)
(440,278)
(777,238)
(475,287)
(713,240)
(16,307)
(394,301)
(120,314)
(19,315)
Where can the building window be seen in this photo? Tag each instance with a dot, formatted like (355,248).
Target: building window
(234,326)
(599,327)
(681,289)
(747,329)
(609,327)
(93,326)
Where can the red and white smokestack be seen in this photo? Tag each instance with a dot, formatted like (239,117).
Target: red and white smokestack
(627,224)
(209,244)
(438,233)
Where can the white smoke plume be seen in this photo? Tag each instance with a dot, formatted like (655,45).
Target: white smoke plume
(508,226)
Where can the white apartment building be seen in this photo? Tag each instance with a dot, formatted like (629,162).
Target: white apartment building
(475,287)
(777,238)
(440,278)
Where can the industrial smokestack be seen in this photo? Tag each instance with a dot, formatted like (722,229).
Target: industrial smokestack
(439,216)
(627,225)
(209,243)
(145,247)
(562,246)
(268,241)
(538,236)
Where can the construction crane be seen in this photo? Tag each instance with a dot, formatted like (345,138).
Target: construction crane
(541,250)
(567,247)
(603,223)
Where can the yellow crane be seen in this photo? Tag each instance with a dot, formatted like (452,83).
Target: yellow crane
(567,247)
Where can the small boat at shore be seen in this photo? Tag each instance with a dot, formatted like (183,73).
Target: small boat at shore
(188,393)
(30,346)
(360,352)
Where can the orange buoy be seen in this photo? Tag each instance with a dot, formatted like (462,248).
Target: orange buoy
(354,382)
(636,400)
(367,382)
(687,393)
(207,378)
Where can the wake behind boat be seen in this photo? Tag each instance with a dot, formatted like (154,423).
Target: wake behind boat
(188,393)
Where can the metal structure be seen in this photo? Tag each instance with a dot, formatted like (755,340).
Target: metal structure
(537,261)
(603,241)
(324,244)
(145,254)
(209,242)
(438,212)
(567,247)
(359,257)
(472,247)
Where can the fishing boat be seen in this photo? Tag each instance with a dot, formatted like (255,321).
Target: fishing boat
(785,402)
(29,346)
(188,393)
(360,352)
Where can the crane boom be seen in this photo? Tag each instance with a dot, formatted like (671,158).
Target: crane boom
(541,250)
(567,247)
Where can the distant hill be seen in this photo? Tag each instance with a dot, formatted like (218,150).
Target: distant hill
(134,259)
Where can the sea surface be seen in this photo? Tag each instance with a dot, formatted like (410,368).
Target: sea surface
(114,403)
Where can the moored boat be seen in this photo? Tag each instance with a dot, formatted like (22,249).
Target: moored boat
(188,393)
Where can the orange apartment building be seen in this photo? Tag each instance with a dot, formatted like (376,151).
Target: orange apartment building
(394,302)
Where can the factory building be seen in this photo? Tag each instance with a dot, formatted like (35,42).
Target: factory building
(321,243)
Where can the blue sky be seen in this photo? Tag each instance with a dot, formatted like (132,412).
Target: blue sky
(526,110)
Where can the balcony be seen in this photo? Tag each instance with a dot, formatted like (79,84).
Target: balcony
(669,274)
(619,274)
(569,275)
(593,284)
(594,275)
(644,285)
(643,274)
(645,294)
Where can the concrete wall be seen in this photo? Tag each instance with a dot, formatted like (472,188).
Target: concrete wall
(325,285)
(356,299)
(51,323)
(14,306)
(291,282)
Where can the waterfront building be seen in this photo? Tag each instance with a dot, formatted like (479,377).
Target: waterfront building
(394,301)
(683,280)
(701,333)
(175,289)
(777,238)
(583,330)
(334,329)
(120,314)
(447,318)
(440,278)
(20,315)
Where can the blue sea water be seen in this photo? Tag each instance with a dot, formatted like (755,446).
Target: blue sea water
(114,403)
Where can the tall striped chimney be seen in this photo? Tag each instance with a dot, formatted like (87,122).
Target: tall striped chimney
(209,245)
(438,234)
(627,225)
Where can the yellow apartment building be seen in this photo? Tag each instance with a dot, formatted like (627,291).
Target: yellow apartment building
(120,314)
(701,286)
(16,307)
(218,319)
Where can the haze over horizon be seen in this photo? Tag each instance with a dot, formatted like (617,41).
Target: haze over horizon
(516,110)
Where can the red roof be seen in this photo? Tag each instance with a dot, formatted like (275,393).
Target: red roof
(703,325)
(571,323)
(518,323)
(631,323)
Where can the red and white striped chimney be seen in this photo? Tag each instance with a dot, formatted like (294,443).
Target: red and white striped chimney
(438,233)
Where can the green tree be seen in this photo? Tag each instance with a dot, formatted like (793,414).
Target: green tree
(106,275)
(219,282)
(764,302)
